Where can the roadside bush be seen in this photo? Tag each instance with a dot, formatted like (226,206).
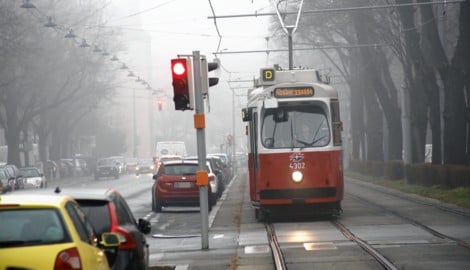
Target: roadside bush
(459,176)
(374,168)
(393,169)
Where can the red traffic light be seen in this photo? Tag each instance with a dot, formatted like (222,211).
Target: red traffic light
(178,66)
(181,83)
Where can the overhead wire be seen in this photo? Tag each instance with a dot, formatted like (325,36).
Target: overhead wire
(41,16)
(144,11)
(216,27)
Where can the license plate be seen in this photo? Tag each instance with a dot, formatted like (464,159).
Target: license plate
(182,184)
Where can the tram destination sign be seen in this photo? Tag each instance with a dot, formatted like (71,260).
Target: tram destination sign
(293,92)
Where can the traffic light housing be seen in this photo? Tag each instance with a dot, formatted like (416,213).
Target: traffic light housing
(207,81)
(183,89)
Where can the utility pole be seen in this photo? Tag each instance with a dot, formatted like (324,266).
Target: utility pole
(134,125)
(202,177)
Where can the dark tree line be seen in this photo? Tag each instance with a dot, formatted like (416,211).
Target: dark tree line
(50,88)
(418,53)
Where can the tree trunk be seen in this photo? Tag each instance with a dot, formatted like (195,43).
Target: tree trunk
(357,109)
(415,76)
(455,108)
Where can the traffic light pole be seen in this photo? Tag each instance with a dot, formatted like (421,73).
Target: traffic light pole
(201,149)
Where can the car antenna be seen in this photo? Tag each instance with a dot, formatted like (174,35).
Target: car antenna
(57,189)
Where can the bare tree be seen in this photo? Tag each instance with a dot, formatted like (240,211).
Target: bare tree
(45,72)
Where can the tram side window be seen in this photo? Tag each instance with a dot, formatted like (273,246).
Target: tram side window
(336,122)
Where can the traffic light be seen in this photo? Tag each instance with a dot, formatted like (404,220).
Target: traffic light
(207,81)
(160,104)
(181,71)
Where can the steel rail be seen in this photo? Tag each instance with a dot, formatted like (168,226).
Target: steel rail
(387,264)
(278,257)
(460,242)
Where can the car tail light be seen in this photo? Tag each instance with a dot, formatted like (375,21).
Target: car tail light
(127,242)
(68,259)
(211,177)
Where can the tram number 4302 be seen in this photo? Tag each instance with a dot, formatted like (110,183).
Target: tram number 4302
(297,165)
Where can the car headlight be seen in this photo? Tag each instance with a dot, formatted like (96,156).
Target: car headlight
(297,176)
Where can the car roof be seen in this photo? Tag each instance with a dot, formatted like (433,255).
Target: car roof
(32,199)
(175,162)
(88,194)
(80,193)
(29,168)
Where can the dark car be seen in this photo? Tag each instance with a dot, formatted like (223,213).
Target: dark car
(15,175)
(33,177)
(145,166)
(8,183)
(175,185)
(121,163)
(131,165)
(109,211)
(3,182)
(106,167)
(214,167)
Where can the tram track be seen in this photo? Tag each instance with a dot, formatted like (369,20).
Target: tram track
(278,256)
(387,264)
(280,261)
(413,221)
(421,225)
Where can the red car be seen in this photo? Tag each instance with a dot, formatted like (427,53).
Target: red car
(175,185)
(108,211)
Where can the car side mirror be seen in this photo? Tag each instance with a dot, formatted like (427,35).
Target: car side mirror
(155,176)
(144,226)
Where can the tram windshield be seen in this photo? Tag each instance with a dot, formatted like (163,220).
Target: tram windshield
(295,127)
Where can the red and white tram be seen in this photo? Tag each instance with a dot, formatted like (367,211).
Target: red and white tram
(294,143)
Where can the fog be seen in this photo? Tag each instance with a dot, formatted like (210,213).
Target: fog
(153,33)
(93,77)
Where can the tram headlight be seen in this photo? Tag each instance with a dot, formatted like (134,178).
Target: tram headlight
(297,176)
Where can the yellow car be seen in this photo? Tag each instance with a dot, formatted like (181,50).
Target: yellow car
(50,232)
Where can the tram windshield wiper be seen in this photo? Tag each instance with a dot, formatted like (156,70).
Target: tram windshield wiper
(292,133)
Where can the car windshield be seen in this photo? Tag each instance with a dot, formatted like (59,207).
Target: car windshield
(27,227)
(30,172)
(106,161)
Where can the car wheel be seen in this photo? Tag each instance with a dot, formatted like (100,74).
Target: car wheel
(156,206)
(213,199)
(153,203)
(221,187)
(210,206)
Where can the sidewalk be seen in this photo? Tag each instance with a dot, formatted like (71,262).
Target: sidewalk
(236,239)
